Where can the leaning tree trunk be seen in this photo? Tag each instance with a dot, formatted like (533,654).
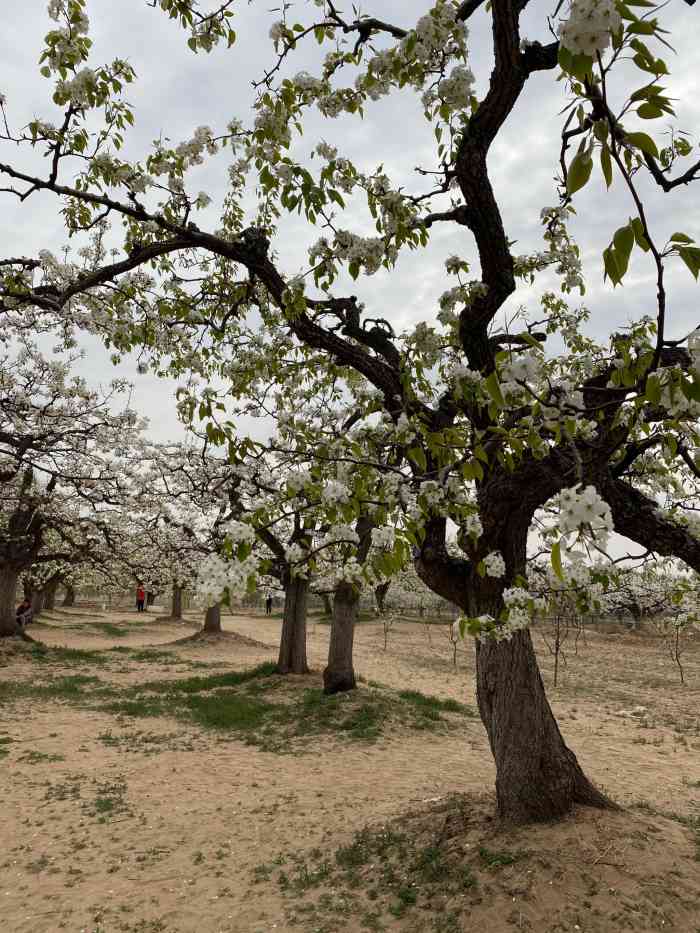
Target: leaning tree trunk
(176,608)
(69,598)
(339,674)
(212,620)
(292,656)
(8,595)
(537,777)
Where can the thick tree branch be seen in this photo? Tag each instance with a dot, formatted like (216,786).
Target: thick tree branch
(637,517)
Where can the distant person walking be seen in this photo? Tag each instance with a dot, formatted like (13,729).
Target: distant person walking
(140,597)
(268,606)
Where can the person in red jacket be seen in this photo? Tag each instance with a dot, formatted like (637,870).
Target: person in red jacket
(140,597)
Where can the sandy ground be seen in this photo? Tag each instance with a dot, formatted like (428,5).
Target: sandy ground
(197,812)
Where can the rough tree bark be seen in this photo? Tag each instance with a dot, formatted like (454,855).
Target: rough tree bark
(537,777)
(38,598)
(8,595)
(212,619)
(69,598)
(176,608)
(50,591)
(292,654)
(339,675)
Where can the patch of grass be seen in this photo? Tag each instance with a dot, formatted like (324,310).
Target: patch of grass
(496,859)
(146,743)
(690,822)
(425,701)
(109,800)
(389,873)
(44,654)
(320,713)
(230,710)
(141,706)
(304,876)
(257,705)
(33,757)
(148,655)
(72,687)
(213,682)
(5,740)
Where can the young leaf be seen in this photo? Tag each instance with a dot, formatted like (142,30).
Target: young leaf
(644,142)
(606,165)
(556,560)
(579,172)
(691,257)
(493,387)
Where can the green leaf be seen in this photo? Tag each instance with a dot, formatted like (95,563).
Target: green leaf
(649,90)
(493,387)
(653,390)
(649,111)
(642,28)
(612,271)
(556,560)
(606,165)
(680,238)
(417,455)
(623,240)
(691,257)
(691,390)
(644,142)
(579,172)
(638,228)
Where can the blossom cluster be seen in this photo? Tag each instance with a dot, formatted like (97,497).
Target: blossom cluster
(494,565)
(582,510)
(589,25)
(218,578)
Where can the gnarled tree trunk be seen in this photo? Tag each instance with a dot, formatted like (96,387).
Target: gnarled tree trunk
(537,777)
(212,619)
(292,655)
(8,596)
(176,607)
(339,675)
(69,598)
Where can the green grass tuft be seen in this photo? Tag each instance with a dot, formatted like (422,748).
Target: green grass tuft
(425,701)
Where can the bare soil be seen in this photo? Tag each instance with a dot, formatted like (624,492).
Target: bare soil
(114,822)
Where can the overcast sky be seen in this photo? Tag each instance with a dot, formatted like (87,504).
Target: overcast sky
(177,91)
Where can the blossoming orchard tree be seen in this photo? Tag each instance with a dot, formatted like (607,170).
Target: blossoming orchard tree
(494,425)
(60,476)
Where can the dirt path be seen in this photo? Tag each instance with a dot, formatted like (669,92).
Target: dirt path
(115,824)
